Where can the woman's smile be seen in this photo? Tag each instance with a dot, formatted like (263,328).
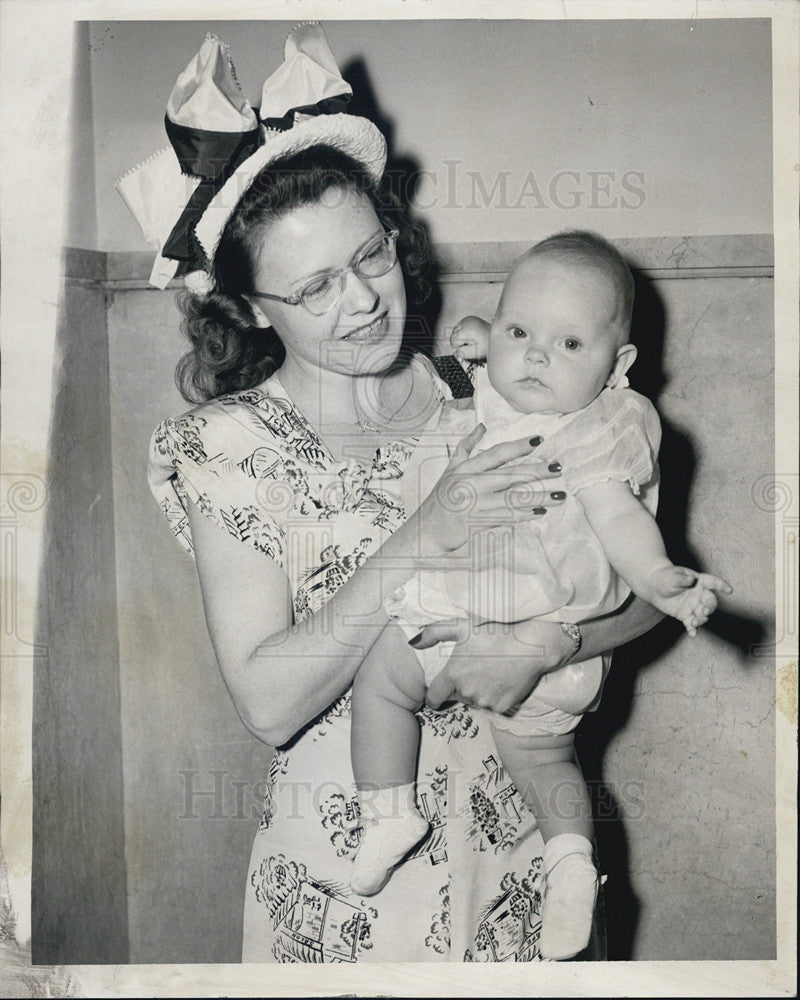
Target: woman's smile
(370,332)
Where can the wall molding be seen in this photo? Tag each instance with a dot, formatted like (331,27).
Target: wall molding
(664,257)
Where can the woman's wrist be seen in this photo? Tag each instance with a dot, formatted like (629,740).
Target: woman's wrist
(573,633)
(602,635)
(426,532)
(551,646)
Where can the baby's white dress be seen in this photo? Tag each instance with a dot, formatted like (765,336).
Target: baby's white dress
(553,567)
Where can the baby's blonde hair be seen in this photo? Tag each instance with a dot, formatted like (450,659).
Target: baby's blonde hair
(592,250)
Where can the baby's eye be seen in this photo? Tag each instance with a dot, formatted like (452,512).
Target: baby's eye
(571,344)
(517,332)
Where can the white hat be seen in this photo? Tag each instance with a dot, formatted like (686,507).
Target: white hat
(175,198)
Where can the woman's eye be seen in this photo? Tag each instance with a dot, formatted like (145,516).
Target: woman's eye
(372,254)
(318,289)
(571,344)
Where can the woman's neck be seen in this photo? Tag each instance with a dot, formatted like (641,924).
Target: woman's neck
(344,408)
(321,396)
(335,399)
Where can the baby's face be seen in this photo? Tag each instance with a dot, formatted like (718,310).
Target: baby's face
(553,343)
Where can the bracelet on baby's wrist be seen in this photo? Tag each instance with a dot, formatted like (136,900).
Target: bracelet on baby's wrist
(573,633)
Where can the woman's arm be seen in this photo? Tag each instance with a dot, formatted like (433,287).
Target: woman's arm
(281,674)
(496,666)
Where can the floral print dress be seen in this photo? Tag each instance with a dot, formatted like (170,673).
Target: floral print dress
(472,889)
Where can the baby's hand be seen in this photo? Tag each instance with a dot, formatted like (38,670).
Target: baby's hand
(470,339)
(686,595)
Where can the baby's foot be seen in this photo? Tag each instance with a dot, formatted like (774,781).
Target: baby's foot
(687,595)
(568,907)
(384,843)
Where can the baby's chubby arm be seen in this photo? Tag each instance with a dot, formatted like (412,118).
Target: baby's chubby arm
(631,540)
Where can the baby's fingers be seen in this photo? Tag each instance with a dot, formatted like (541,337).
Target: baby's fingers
(704,605)
(712,582)
(469,338)
(677,578)
(690,624)
(694,620)
(707,604)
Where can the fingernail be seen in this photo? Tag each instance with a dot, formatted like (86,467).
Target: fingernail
(534,441)
(554,467)
(558,495)
(415,641)
(539,510)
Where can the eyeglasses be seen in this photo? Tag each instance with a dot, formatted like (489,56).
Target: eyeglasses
(321,293)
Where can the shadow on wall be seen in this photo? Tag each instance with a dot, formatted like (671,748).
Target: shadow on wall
(402,177)
(597,730)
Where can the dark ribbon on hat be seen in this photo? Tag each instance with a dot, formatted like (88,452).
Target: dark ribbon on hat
(213,157)
(327,106)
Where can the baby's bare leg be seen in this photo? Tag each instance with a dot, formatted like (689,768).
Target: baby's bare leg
(384,737)
(389,687)
(545,771)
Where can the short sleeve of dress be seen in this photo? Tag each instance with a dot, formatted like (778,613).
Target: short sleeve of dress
(203,457)
(616,437)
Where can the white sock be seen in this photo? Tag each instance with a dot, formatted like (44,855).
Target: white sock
(391,826)
(385,803)
(570,896)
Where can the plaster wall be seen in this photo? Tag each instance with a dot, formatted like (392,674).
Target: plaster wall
(501,130)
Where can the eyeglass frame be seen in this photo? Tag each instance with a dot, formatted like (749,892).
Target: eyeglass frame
(340,272)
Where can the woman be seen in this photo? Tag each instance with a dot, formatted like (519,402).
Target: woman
(301,466)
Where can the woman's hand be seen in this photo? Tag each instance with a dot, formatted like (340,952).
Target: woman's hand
(483,490)
(497,666)
(494,666)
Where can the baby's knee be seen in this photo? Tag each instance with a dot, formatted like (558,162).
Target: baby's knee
(395,678)
(371,677)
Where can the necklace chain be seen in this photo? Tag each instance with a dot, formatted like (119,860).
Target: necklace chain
(366,426)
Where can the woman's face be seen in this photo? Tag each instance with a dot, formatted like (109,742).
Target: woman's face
(362,333)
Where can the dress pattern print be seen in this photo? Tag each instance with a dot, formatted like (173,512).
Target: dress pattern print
(470,891)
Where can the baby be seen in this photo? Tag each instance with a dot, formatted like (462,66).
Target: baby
(557,352)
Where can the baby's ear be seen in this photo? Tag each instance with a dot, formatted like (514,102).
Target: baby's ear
(626,355)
